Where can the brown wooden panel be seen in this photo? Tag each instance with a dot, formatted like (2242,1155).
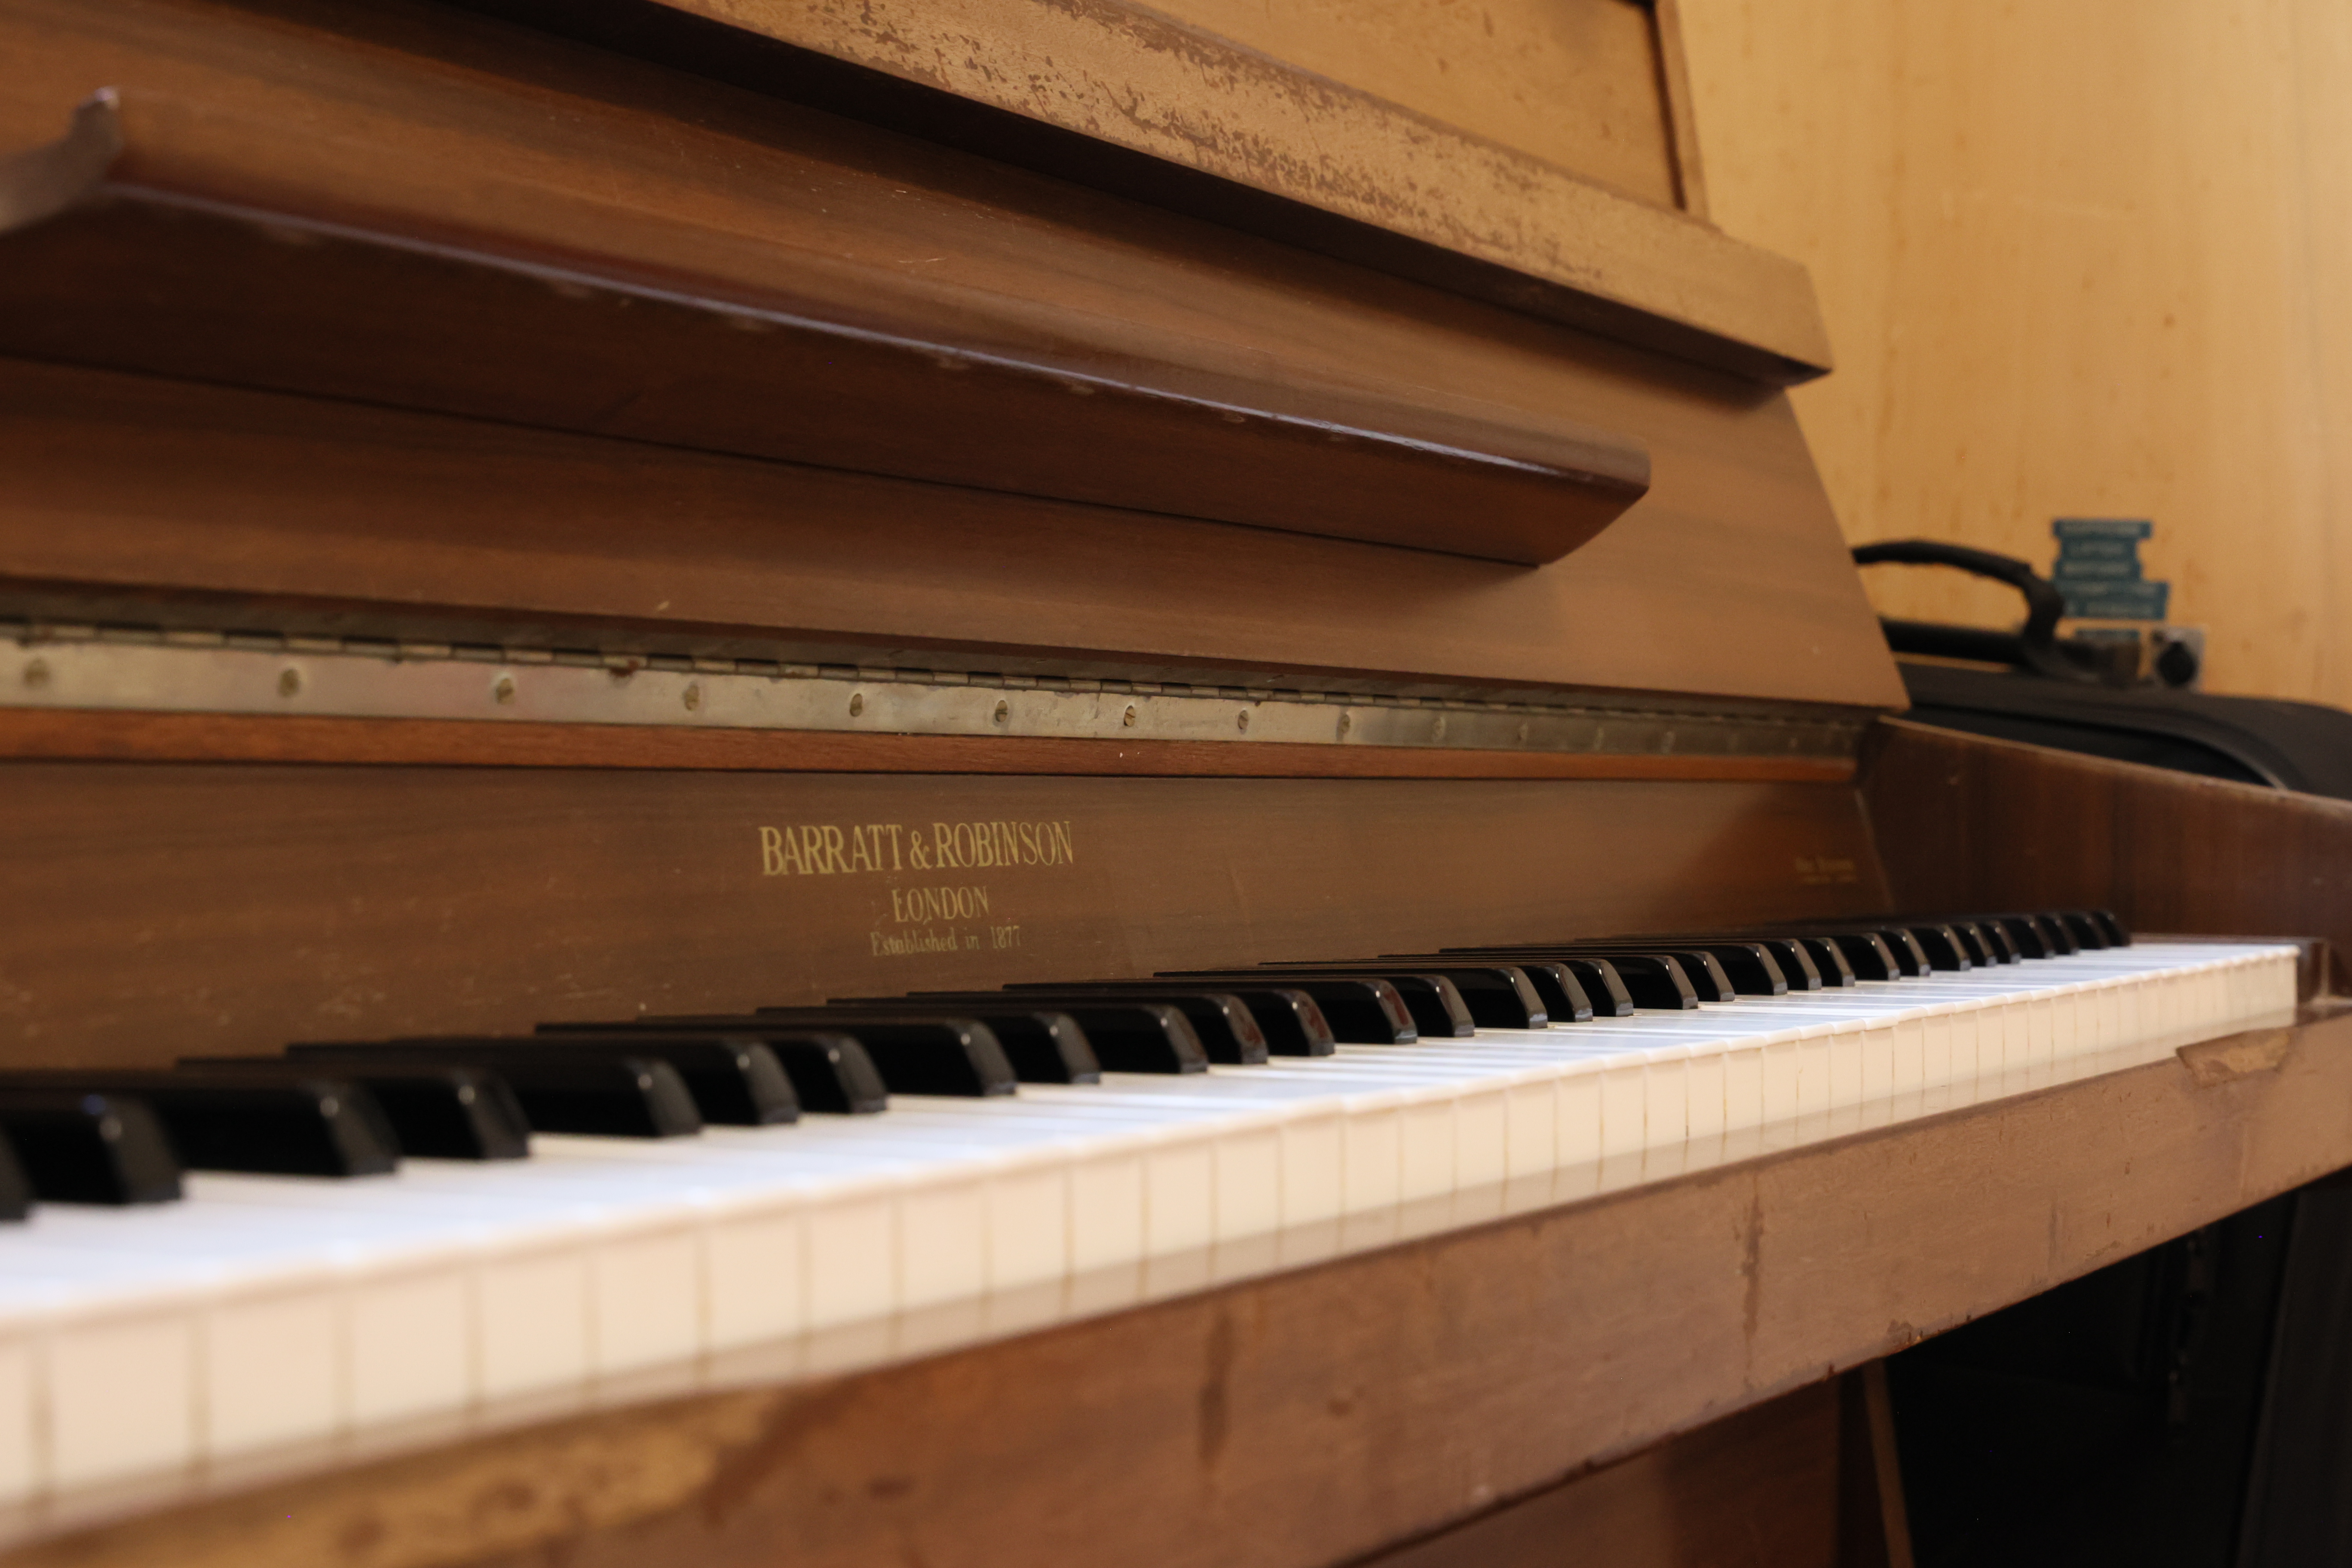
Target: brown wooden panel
(1297,1421)
(118,249)
(1760,1487)
(80,736)
(1728,578)
(158,910)
(1573,82)
(1132,77)
(1967,823)
(1728,581)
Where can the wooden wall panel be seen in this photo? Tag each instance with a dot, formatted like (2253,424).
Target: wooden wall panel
(2077,258)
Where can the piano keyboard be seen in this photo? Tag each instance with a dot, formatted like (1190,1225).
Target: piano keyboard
(167,1344)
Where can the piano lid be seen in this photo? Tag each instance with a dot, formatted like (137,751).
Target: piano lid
(1543,156)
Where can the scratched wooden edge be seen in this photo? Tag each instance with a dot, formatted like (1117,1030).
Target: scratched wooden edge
(103,735)
(488,1498)
(1266,126)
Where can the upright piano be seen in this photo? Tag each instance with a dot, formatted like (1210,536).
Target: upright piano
(1357,962)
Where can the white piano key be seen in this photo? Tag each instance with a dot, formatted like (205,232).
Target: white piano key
(601,1262)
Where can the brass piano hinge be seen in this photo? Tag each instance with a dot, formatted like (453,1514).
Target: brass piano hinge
(149,668)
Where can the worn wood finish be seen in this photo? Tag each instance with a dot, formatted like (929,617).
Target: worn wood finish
(1727,581)
(1759,1487)
(65,735)
(1296,1421)
(557,318)
(1967,823)
(1573,82)
(1143,81)
(272,903)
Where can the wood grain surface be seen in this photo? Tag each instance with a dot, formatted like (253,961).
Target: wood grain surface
(573,312)
(1154,83)
(163,909)
(1761,1487)
(1306,1418)
(1967,823)
(2077,260)
(1576,84)
(1728,581)
(50,734)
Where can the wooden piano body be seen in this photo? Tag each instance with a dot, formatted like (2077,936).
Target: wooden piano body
(549,515)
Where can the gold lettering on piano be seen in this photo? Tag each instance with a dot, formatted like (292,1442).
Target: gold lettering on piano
(875,848)
(1823,870)
(920,906)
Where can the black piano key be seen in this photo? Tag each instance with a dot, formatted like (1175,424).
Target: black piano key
(1748,966)
(2055,933)
(1985,946)
(917,1051)
(1604,987)
(79,1148)
(1360,1010)
(321,1125)
(1288,1020)
(1829,959)
(1044,1045)
(1796,962)
(598,1089)
(1698,973)
(2003,938)
(16,1187)
(1558,986)
(2089,935)
(437,1110)
(2093,930)
(1941,946)
(1430,1002)
(829,1072)
(1756,965)
(1911,961)
(1496,995)
(1868,951)
(1651,977)
(735,1082)
(1226,1028)
(1653,981)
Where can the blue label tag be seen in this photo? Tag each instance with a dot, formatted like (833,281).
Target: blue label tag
(2070,571)
(2067,528)
(2120,602)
